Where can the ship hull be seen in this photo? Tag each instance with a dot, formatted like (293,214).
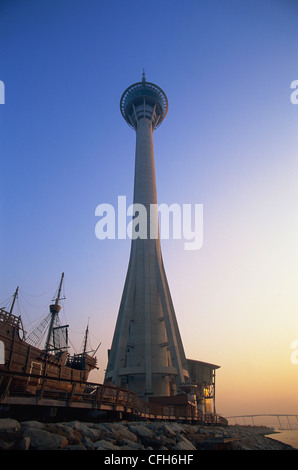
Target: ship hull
(22,358)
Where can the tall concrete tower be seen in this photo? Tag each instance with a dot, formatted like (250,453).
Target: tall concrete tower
(147,355)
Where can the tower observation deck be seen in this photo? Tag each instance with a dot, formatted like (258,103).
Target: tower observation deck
(146,355)
(144,100)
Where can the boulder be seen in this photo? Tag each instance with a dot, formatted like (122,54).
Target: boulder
(141,431)
(32,424)
(75,447)
(85,429)
(86,441)
(184,444)
(23,444)
(130,445)
(44,440)
(121,432)
(106,445)
(73,437)
(6,445)
(9,425)
(10,433)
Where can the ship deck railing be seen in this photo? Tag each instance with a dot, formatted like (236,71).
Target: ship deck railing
(18,389)
(10,319)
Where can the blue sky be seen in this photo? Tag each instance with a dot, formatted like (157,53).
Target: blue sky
(229,142)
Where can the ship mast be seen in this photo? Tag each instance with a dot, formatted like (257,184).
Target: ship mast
(86,338)
(54,309)
(14,299)
(85,342)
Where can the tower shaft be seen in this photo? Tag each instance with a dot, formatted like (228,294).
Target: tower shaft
(147,354)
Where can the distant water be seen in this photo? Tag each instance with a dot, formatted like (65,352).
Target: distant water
(287,437)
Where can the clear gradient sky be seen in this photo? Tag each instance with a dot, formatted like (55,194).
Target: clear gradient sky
(229,142)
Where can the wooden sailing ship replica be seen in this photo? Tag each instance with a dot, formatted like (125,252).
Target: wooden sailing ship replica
(29,365)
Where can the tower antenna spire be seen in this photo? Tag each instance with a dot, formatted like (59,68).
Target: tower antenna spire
(143,76)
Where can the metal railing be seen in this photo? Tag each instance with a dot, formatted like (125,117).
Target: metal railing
(277,421)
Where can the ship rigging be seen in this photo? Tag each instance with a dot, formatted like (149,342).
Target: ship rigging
(22,354)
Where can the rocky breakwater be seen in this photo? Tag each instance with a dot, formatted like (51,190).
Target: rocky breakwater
(116,436)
